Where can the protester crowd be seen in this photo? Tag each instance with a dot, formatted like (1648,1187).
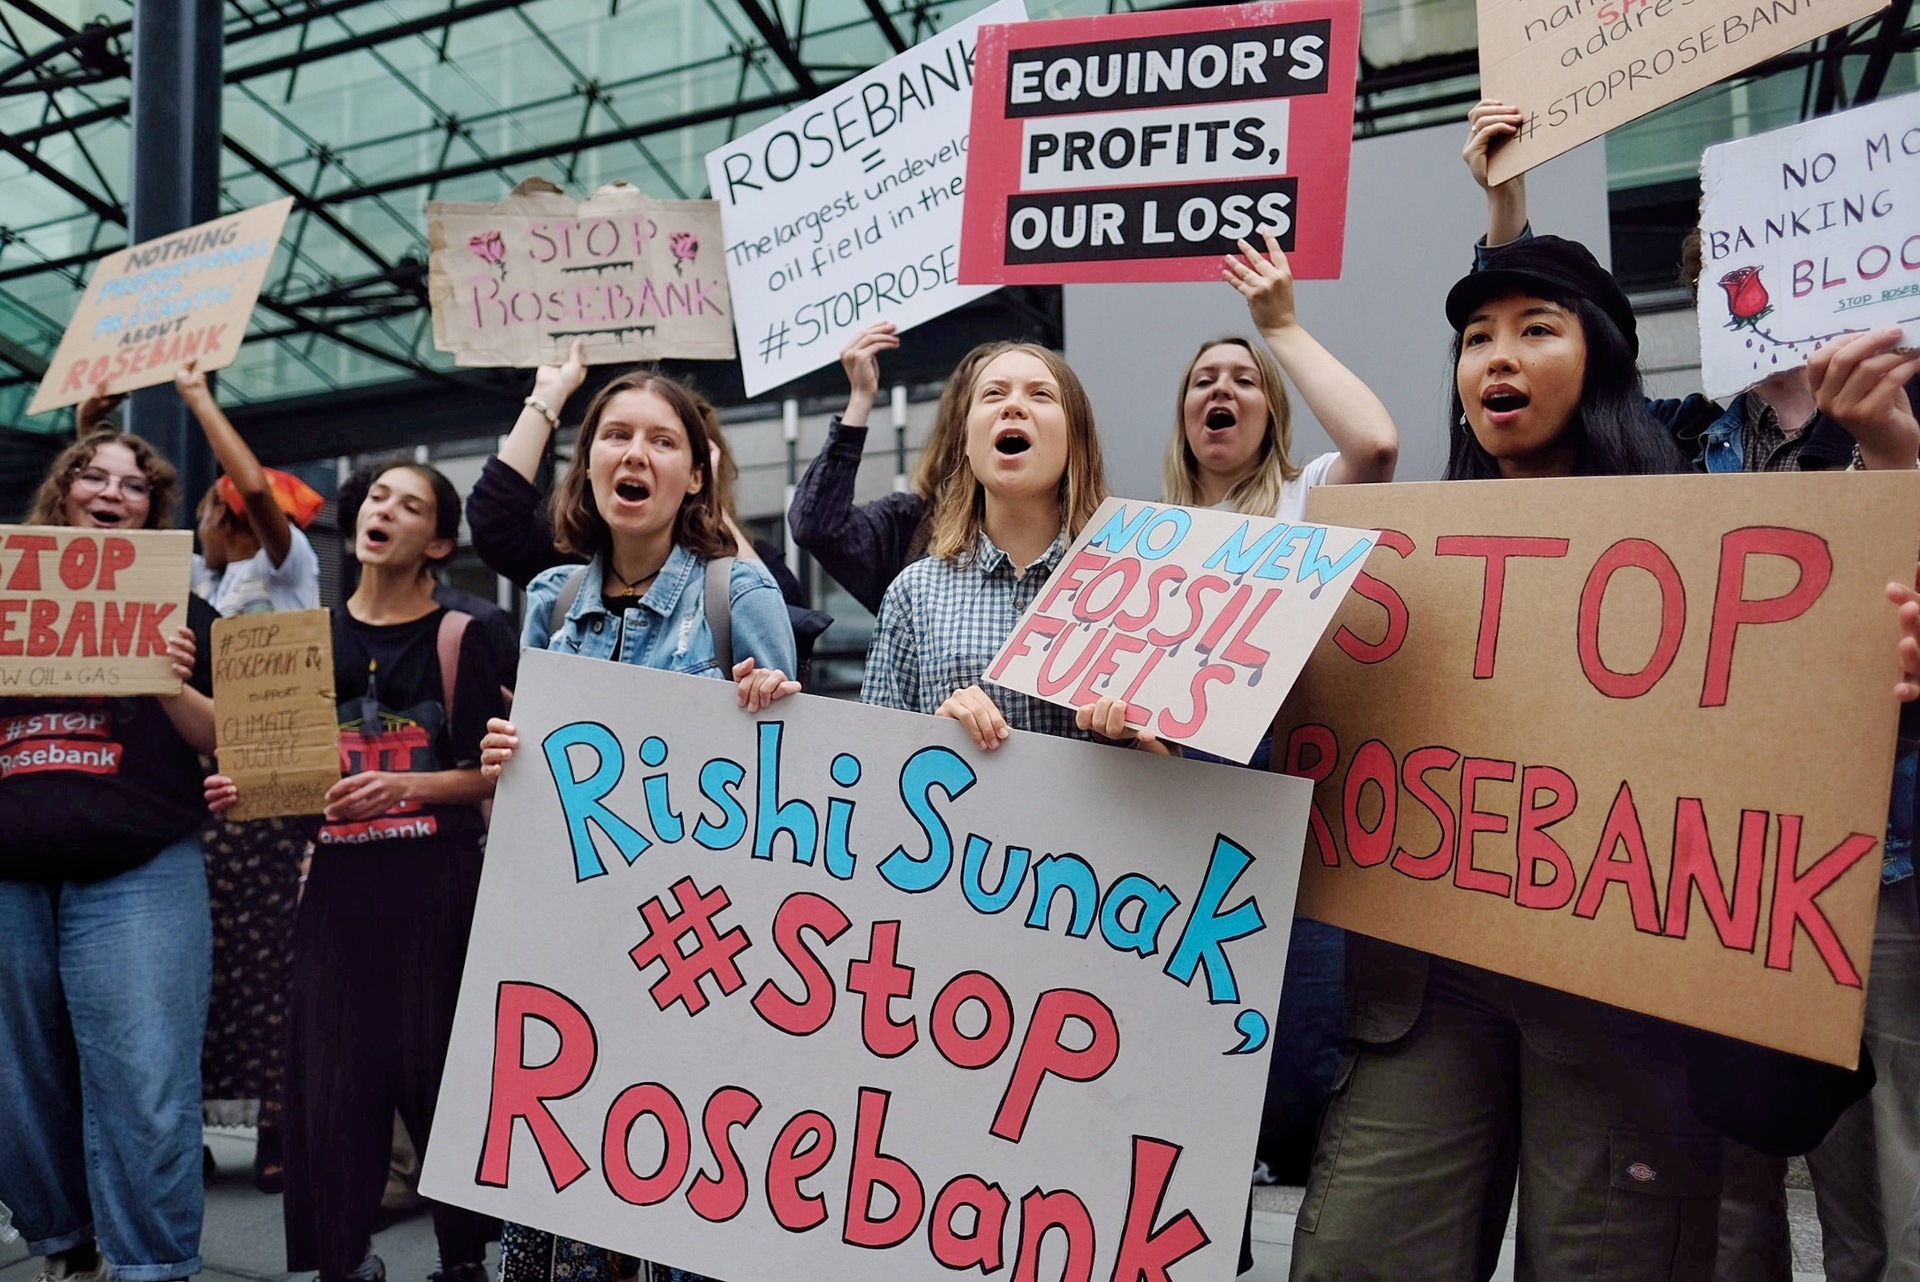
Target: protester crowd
(165,966)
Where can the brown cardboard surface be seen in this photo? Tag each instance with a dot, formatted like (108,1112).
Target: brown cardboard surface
(275,724)
(636,279)
(88,612)
(152,307)
(1781,732)
(1578,70)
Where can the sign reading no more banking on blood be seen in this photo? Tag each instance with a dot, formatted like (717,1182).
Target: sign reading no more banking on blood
(1142,147)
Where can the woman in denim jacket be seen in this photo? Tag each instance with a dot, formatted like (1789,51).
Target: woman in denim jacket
(641,504)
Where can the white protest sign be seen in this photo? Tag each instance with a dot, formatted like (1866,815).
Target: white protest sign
(1807,233)
(1199,619)
(847,211)
(831,994)
(1579,69)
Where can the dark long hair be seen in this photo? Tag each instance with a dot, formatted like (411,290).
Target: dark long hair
(1612,432)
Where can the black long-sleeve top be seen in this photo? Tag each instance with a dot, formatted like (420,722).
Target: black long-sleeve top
(863,546)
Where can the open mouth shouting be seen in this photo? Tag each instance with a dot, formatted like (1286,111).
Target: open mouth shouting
(1221,417)
(1012,439)
(377,537)
(1503,403)
(632,491)
(106,517)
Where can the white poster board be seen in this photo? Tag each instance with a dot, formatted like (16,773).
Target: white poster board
(846,211)
(1199,619)
(1012,1040)
(1807,233)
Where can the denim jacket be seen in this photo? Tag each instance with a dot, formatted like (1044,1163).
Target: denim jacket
(668,629)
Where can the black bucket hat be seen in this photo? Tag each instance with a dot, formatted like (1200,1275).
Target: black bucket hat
(1564,267)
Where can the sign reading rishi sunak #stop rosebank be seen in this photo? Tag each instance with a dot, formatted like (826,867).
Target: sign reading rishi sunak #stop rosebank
(1143,146)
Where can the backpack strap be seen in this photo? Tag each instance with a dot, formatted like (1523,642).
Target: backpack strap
(563,602)
(453,626)
(720,611)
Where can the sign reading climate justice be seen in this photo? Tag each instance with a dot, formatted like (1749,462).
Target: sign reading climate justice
(847,211)
(1579,68)
(1142,146)
(152,307)
(1627,738)
(276,726)
(1199,619)
(828,993)
(632,278)
(86,612)
(1806,233)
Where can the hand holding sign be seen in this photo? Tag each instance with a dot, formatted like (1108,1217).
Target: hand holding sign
(1860,382)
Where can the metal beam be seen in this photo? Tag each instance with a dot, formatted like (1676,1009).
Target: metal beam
(1880,56)
(883,20)
(368,39)
(781,46)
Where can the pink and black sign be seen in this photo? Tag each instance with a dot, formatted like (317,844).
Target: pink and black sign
(1141,147)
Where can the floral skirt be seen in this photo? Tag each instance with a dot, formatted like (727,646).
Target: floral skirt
(534,1255)
(253,886)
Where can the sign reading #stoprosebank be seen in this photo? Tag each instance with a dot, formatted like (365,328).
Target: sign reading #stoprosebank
(828,993)
(847,211)
(1142,147)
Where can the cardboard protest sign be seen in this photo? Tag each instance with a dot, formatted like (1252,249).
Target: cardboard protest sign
(635,279)
(152,307)
(1142,146)
(276,727)
(709,1019)
(1580,69)
(1199,619)
(847,211)
(1628,738)
(1805,235)
(88,612)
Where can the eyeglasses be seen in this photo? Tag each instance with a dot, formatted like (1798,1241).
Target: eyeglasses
(93,480)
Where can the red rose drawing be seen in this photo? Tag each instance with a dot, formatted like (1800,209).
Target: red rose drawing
(492,248)
(685,246)
(1746,297)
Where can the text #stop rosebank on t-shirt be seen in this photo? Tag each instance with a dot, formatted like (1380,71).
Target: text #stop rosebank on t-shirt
(1143,146)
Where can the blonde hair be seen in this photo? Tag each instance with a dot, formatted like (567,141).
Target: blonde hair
(958,513)
(946,443)
(1258,493)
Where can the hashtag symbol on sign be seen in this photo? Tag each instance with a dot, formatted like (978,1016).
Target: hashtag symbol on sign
(687,944)
(774,345)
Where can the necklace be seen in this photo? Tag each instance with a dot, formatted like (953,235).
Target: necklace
(637,587)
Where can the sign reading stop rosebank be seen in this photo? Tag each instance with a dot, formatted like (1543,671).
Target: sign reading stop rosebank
(1142,146)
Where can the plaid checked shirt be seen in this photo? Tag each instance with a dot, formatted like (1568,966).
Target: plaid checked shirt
(942,622)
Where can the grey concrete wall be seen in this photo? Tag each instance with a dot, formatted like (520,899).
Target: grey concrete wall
(1413,214)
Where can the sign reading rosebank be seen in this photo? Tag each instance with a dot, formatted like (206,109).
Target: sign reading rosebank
(828,993)
(1143,146)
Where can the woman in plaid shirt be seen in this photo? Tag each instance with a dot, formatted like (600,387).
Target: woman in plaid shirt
(997,528)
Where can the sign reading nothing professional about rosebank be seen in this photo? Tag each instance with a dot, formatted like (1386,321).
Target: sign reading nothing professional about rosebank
(1806,233)
(829,993)
(1143,146)
(151,308)
(847,211)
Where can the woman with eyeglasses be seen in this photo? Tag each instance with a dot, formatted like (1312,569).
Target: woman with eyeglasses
(104,936)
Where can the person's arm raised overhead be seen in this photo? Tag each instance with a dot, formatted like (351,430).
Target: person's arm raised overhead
(264,515)
(1359,424)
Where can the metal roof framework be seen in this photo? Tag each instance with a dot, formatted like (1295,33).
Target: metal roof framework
(364,110)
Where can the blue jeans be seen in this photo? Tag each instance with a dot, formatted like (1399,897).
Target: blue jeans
(103,1006)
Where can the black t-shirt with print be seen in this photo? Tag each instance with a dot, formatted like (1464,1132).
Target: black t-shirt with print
(404,726)
(94,787)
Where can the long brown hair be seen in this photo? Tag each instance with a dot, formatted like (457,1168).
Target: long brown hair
(960,503)
(163,483)
(578,527)
(1258,493)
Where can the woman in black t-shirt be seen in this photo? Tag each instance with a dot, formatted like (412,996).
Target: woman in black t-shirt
(382,933)
(104,939)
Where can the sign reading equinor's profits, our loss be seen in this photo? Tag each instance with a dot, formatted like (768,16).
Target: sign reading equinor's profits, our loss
(847,211)
(829,993)
(1143,146)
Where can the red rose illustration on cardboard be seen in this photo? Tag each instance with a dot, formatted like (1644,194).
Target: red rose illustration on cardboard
(685,246)
(1746,297)
(492,248)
